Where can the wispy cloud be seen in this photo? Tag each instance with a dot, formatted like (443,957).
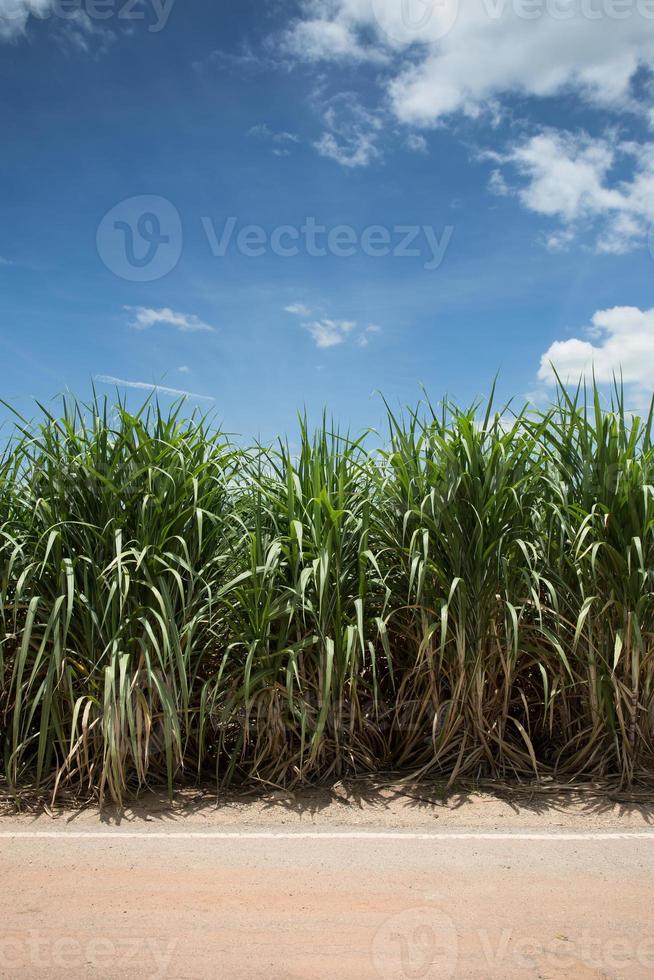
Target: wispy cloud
(4,261)
(330,333)
(80,31)
(352,132)
(14,15)
(298,309)
(281,140)
(364,338)
(355,152)
(144,318)
(243,62)
(184,369)
(74,27)
(108,379)
(416,142)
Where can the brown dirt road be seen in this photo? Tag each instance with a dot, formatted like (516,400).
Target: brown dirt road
(345,887)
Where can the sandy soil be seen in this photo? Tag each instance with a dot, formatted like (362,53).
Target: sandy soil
(127,894)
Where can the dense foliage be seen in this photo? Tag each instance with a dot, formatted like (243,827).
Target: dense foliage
(475,598)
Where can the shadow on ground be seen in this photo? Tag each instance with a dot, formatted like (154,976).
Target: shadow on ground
(382,800)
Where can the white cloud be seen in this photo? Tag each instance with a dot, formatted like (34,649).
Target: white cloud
(363,340)
(242,61)
(464,57)
(108,379)
(416,142)
(573,178)
(78,29)
(327,32)
(352,131)
(144,318)
(263,131)
(358,151)
(184,369)
(567,175)
(280,140)
(330,333)
(14,15)
(298,309)
(619,342)
(74,26)
(497,184)
(559,241)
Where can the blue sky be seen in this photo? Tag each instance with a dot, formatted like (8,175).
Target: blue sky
(506,145)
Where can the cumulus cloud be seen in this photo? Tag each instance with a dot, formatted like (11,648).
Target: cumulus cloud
(330,333)
(618,343)
(453,57)
(144,318)
(601,184)
(108,379)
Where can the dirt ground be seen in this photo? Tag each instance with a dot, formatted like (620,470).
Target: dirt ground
(360,802)
(358,881)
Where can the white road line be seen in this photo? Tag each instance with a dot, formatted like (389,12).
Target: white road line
(113,835)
